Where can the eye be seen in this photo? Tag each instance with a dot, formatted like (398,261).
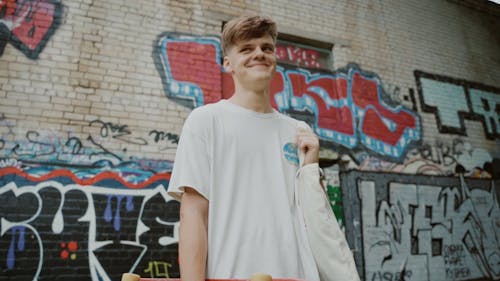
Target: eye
(245,50)
(268,49)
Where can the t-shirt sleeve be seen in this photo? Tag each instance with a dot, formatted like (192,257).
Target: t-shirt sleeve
(191,164)
(303,125)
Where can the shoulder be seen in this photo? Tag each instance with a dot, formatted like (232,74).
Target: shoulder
(294,122)
(204,110)
(201,116)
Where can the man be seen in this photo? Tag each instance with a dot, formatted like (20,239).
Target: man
(235,172)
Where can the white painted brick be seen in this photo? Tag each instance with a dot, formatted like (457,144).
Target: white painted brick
(102,53)
(73,116)
(31,111)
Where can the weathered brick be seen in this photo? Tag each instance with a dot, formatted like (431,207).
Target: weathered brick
(102,62)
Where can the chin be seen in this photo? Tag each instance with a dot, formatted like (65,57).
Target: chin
(262,78)
(263,75)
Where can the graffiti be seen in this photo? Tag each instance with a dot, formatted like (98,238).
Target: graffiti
(48,147)
(443,157)
(439,153)
(458,152)
(346,101)
(120,132)
(334,194)
(298,56)
(83,226)
(424,228)
(94,150)
(348,107)
(191,68)
(393,92)
(8,163)
(158,269)
(165,137)
(5,136)
(28,24)
(68,250)
(390,276)
(453,100)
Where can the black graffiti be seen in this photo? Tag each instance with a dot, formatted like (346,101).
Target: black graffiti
(41,148)
(75,147)
(36,148)
(120,132)
(55,221)
(101,147)
(160,136)
(19,254)
(159,216)
(391,276)
(166,137)
(116,216)
(454,255)
(441,153)
(457,273)
(57,230)
(89,150)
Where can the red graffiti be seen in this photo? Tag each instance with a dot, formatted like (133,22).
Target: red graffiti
(108,175)
(68,250)
(347,107)
(337,119)
(195,63)
(365,94)
(29,22)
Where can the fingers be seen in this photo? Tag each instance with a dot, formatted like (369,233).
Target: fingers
(308,144)
(306,139)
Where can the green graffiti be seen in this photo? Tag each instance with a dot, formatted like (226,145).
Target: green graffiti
(335,197)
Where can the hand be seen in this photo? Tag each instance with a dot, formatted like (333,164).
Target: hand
(308,144)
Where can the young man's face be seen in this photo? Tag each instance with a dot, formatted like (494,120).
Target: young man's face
(252,61)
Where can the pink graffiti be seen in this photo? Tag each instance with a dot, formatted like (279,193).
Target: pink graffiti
(28,21)
(299,56)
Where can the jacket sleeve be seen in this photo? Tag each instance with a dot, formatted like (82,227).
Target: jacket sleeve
(328,244)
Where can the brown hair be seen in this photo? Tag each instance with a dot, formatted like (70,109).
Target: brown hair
(247,27)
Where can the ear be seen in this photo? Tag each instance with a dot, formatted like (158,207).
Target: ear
(227,64)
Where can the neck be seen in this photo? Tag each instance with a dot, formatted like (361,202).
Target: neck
(257,101)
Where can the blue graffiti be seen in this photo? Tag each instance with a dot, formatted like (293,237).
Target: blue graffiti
(11,255)
(108,216)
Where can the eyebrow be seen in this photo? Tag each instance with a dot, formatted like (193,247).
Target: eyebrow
(251,45)
(268,45)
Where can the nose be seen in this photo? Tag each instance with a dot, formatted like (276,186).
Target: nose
(259,52)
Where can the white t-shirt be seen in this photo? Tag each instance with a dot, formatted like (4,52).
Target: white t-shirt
(245,163)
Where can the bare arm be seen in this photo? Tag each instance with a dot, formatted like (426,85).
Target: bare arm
(193,236)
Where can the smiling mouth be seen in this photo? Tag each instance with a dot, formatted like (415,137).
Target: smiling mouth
(258,64)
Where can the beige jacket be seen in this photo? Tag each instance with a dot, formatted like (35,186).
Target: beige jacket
(333,257)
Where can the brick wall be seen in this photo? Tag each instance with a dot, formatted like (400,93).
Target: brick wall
(93,95)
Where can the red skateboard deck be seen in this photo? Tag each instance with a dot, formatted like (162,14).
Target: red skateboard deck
(176,279)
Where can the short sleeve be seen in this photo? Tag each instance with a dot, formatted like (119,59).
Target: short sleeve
(191,164)
(303,125)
